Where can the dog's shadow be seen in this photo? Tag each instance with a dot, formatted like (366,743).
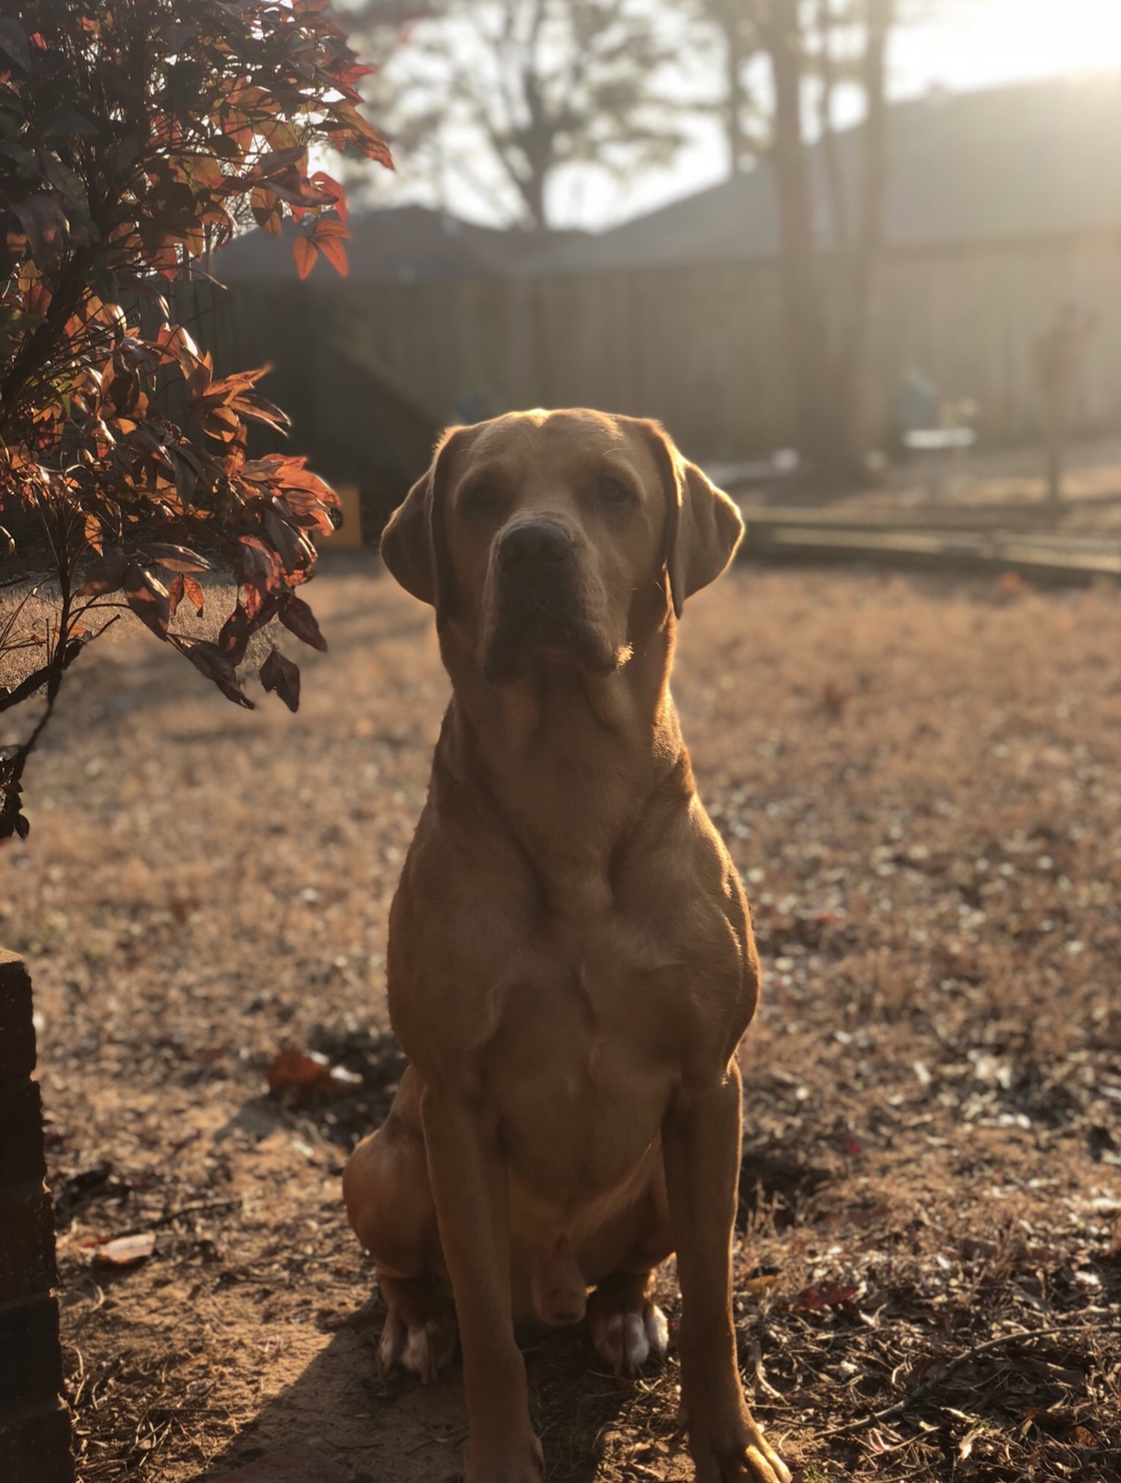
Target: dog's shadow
(342,1422)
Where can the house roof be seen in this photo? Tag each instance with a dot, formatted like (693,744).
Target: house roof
(397,245)
(1037,159)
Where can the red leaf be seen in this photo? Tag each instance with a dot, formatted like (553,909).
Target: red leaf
(306,1073)
(44,223)
(295,1071)
(824,1295)
(175,593)
(106,574)
(174,558)
(299,619)
(235,635)
(193,590)
(265,205)
(335,253)
(209,660)
(92,530)
(293,547)
(148,598)
(331,187)
(219,422)
(255,603)
(258,564)
(303,250)
(327,226)
(280,674)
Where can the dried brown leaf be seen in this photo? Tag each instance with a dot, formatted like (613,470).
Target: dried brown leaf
(279,674)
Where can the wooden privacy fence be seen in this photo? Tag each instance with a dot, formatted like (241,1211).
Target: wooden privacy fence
(370,370)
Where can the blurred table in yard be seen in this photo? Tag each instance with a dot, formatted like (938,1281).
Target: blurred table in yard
(936,448)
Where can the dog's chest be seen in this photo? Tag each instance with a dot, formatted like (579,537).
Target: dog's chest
(582,1067)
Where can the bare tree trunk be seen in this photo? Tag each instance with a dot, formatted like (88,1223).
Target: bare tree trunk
(805,310)
(834,179)
(738,151)
(532,188)
(863,261)
(536,144)
(1058,353)
(1054,436)
(830,377)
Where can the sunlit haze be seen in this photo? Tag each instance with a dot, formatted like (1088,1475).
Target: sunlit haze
(966,44)
(977,43)
(970,44)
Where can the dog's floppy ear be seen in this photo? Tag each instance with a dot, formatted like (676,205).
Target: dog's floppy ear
(703,526)
(413,544)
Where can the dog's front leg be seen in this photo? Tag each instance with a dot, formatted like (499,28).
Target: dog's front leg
(701,1141)
(469,1186)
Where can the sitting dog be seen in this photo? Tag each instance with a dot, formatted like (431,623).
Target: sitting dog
(571,964)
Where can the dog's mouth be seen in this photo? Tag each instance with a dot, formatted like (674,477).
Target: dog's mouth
(541,620)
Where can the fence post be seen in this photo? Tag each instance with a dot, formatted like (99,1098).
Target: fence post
(34,1421)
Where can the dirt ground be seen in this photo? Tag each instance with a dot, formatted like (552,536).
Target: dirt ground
(919,780)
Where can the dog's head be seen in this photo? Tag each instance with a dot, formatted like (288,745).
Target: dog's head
(569,535)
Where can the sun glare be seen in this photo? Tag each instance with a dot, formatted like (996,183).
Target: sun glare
(978,43)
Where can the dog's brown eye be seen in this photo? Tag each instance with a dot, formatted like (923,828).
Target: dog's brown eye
(481,499)
(614,492)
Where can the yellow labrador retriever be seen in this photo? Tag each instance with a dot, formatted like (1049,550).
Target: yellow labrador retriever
(571,964)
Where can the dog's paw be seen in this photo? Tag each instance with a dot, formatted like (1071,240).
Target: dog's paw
(626,1337)
(746,1457)
(516,1463)
(751,1465)
(422,1348)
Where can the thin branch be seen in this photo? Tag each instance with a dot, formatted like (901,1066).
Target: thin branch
(14,616)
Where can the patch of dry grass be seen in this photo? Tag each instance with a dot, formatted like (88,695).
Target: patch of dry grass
(919,781)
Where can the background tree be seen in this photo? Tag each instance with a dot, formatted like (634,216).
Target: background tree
(1058,354)
(819,44)
(729,28)
(814,50)
(131,132)
(507,94)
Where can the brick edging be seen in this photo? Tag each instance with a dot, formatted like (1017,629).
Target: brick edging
(34,1422)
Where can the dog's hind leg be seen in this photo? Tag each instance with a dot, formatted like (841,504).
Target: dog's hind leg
(626,1327)
(389,1204)
(420,1328)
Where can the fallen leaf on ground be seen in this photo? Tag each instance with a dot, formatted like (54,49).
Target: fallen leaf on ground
(125,1251)
(306,1073)
(824,1295)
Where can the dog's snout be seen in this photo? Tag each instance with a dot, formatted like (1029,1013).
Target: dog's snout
(535,542)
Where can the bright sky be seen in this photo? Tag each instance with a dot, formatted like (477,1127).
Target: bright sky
(981,42)
(966,44)
(972,44)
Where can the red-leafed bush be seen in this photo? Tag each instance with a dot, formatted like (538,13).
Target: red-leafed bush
(135,135)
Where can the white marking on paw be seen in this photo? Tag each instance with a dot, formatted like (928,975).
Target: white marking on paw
(427,1351)
(636,1346)
(627,1340)
(424,1349)
(390,1344)
(657,1330)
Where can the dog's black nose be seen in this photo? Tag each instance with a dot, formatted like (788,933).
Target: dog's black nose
(535,542)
